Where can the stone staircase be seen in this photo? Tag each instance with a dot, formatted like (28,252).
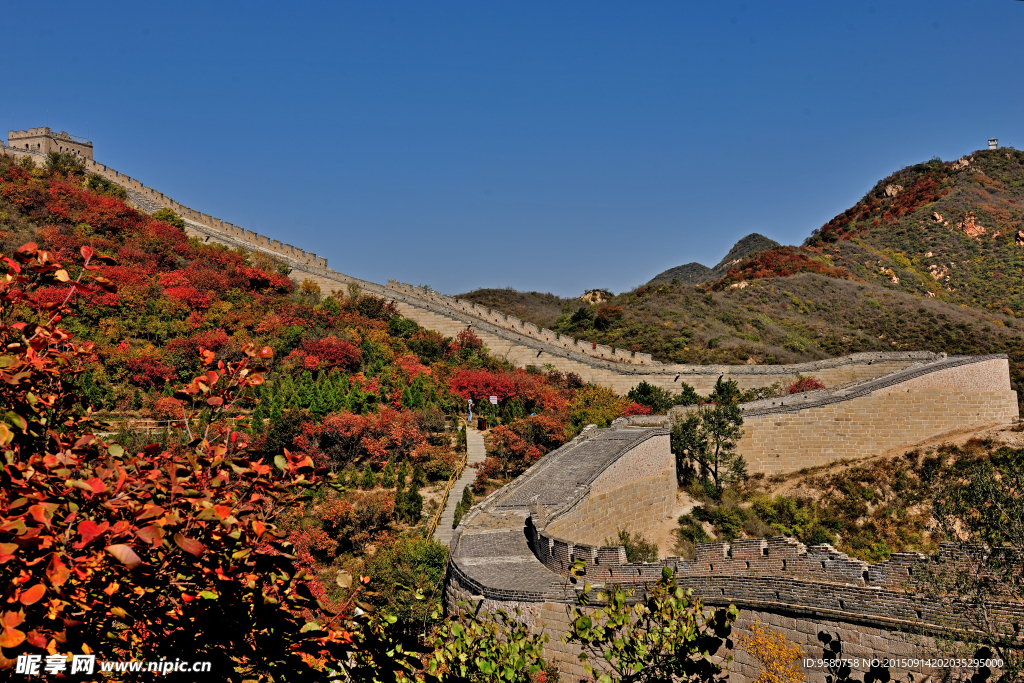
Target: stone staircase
(476,453)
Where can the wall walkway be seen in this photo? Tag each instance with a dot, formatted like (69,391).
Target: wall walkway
(476,453)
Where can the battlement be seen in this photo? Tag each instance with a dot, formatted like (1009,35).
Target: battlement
(44,140)
(514,324)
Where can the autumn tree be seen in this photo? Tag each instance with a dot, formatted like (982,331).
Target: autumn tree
(778,658)
(151,554)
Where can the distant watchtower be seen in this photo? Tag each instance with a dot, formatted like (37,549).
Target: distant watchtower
(44,140)
(993,143)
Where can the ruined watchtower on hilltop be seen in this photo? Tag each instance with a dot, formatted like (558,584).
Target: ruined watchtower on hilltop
(44,141)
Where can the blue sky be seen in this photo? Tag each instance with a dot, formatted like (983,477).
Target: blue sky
(547,146)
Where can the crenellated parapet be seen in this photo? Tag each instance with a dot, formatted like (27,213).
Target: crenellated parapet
(591,350)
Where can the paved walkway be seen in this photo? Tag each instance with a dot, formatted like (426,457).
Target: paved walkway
(475,444)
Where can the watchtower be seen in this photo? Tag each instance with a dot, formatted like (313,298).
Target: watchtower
(44,140)
(993,143)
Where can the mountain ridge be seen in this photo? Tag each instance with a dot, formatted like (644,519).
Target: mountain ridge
(695,273)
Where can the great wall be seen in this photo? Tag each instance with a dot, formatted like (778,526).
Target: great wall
(512,550)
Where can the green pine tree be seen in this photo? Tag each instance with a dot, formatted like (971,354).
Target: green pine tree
(368,480)
(387,476)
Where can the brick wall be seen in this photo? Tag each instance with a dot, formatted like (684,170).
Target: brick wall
(635,492)
(802,592)
(927,407)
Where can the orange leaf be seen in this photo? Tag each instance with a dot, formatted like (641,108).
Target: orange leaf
(87,252)
(57,572)
(266,352)
(42,513)
(223,511)
(33,594)
(11,638)
(189,545)
(150,511)
(151,534)
(124,555)
(7,551)
(12,619)
(97,484)
(90,530)
(259,527)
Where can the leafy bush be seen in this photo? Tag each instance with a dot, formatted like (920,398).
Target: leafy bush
(103,186)
(804,384)
(168,216)
(638,548)
(400,570)
(64,163)
(660,400)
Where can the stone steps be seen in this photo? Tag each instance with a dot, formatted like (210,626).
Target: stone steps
(476,454)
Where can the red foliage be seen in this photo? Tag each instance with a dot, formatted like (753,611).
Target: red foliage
(636,409)
(188,295)
(804,384)
(343,438)
(411,366)
(20,190)
(326,353)
(467,339)
(127,558)
(924,190)
(260,280)
(168,408)
(481,384)
(778,262)
(150,370)
(103,213)
(188,347)
(135,276)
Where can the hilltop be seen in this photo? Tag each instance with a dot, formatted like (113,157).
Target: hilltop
(694,273)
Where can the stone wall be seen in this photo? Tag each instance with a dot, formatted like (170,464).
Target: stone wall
(636,493)
(805,593)
(605,477)
(930,406)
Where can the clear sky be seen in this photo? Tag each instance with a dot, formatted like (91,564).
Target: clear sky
(556,146)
